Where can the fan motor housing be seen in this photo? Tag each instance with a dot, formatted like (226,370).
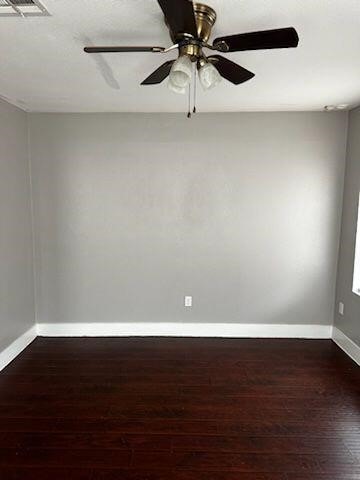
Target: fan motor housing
(205,17)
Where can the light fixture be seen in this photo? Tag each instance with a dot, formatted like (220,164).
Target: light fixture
(180,74)
(331,108)
(208,75)
(190,25)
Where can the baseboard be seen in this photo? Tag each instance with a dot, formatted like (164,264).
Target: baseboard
(346,344)
(219,330)
(230,330)
(13,350)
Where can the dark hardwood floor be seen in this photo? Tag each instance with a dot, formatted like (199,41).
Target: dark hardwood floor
(180,409)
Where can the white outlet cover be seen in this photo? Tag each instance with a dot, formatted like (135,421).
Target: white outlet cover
(188,301)
(341,308)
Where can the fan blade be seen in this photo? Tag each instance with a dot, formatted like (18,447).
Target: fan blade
(159,75)
(179,15)
(279,38)
(231,71)
(122,49)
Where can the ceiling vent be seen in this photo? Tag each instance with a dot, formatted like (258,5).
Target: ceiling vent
(23,8)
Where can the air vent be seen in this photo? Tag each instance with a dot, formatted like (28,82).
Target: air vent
(23,8)
(21,3)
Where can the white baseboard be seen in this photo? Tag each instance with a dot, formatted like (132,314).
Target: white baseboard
(13,350)
(346,344)
(231,330)
(219,330)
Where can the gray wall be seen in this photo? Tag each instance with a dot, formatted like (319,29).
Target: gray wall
(16,274)
(350,322)
(242,211)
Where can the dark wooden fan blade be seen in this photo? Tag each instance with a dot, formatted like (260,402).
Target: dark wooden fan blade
(122,49)
(231,71)
(159,75)
(279,38)
(179,15)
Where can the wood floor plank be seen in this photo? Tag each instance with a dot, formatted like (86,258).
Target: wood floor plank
(268,463)
(115,474)
(23,473)
(322,476)
(69,457)
(169,443)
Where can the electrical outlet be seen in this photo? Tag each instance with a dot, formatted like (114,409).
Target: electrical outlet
(341,308)
(188,301)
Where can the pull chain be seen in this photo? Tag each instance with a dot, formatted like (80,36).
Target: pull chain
(194,98)
(193,85)
(189,102)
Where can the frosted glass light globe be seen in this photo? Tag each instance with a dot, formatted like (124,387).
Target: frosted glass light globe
(209,76)
(180,74)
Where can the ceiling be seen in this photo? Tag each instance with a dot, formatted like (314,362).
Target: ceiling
(43,67)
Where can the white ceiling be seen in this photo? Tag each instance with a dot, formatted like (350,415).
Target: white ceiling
(43,67)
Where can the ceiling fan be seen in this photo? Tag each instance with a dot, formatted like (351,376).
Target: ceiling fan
(190,26)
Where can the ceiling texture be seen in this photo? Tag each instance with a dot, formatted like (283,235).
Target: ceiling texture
(44,68)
